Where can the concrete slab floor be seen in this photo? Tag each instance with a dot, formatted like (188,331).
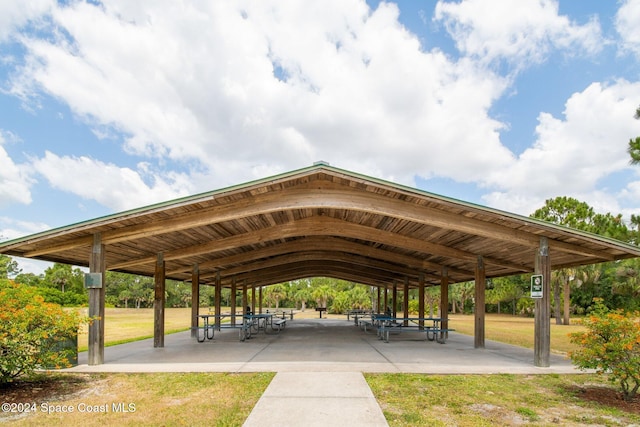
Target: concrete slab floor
(321,345)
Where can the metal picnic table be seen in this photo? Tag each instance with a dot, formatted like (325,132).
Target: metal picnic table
(431,326)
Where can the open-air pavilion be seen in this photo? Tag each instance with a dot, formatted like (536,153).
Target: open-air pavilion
(318,221)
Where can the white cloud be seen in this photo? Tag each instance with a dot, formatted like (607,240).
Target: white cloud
(238,90)
(14,14)
(571,155)
(519,32)
(240,87)
(626,23)
(11,228)
(112,186)
(15,182)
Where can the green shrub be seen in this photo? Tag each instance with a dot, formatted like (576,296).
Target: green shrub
(610,345)
(29,331)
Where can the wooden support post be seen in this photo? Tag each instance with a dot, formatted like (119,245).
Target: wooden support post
(542,329)
(395,300)
(245,299)
(379,301)
(479,304)
(233,301)
(218,300)
(260,300)
(96,304)
(444,300)
(158,302)
(421,300)
(386,299)
(253,299)
(405,301)
(195,299)
(567,301)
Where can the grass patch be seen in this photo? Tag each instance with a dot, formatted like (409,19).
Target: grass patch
(193,399)
(489,400)
(124,325)
(516,330)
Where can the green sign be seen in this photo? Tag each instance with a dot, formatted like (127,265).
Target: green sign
(93,280)
(537,286)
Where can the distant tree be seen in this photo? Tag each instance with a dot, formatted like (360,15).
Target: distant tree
(359,297)
(432,300)
(573,213)
(634,145)
(8,267)
(459,295)
(274,294)
(322,292)
(29,279)
(507,290)
(65,278)
(341,303)
(301,297)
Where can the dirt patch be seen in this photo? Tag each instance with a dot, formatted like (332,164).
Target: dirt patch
(607,396)
(46,389)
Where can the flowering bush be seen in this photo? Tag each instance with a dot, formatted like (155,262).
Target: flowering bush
(29,331)
(611,345)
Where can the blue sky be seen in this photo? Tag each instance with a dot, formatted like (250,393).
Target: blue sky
(107,106)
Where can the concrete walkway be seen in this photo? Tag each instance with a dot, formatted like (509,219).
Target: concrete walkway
(319,365)
(317,399)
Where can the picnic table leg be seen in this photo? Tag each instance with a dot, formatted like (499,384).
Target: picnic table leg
(431,335)
(210,331)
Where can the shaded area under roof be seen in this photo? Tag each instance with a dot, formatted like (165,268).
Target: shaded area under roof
(319,221)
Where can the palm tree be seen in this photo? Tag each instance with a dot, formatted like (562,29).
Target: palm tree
(302,296)
(276,293)
(323,295)
(360,298)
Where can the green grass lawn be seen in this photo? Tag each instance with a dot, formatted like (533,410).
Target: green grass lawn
(516,330)
(497,400)
(158,399)
(130,324)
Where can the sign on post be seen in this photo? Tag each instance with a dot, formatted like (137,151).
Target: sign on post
(92,280)
(536,286)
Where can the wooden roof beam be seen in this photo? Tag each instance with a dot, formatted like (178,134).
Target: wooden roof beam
(326,243)
(333,199)
(321,256)
(320,226)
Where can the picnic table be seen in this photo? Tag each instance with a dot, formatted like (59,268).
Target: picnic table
(431,326)
(208,328)
(254,323)
(357,314)
(371,320)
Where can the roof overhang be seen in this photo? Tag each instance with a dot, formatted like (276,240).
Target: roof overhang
(319,221)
